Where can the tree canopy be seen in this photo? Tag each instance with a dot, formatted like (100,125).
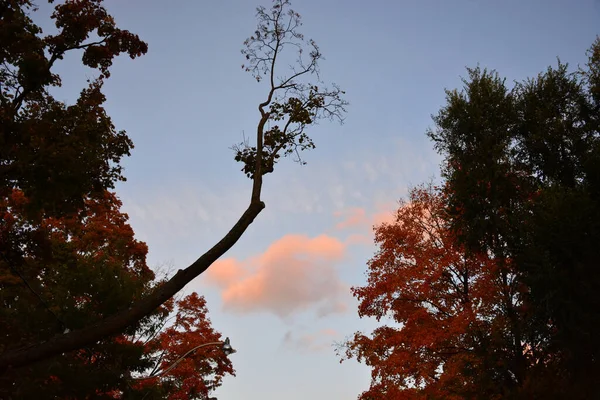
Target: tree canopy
(59,154)
(68,256)
(457,318)
(522,181)
(491,278)
(62,274)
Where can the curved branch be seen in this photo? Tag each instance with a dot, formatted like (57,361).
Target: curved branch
(116,323)
(18,101)
(164,371)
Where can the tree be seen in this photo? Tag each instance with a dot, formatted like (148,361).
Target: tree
(294,101)
(177,373)
(58,275)
(65,273)
(58,154)
(453,334)
(522,167)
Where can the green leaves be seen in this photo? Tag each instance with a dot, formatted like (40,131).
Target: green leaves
(521,167)
(56,153)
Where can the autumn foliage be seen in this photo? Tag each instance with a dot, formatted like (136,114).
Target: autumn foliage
(64,273)
(68,256)
(199,373)
(487,287)
(522,168)
(452,331)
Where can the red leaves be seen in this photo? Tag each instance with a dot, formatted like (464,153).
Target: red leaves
(191,328)
(91,265)
(58,273)
(68,255)
(444,306)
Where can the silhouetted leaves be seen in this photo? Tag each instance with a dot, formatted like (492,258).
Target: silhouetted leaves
(68,257)
(522,169)
(58,154)
(294,100)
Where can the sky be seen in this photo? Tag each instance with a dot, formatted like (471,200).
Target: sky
(282,293)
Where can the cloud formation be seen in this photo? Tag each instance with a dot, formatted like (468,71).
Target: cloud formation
(318,341)
(353,217)
(294,274)
(357,218)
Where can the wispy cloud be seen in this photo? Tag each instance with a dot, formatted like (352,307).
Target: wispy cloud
(313,342)
(353,217)
(179,222)
(361,220)
(184,208)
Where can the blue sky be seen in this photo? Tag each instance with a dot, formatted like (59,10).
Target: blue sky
(282,293)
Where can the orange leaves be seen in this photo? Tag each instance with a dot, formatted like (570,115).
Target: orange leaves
(68,257)
(445,306)
(90,265)
(88,262)
(191,328)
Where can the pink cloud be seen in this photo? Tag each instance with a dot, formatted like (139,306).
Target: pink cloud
(356,218)
(353,217)
(359,238)
(294,274)
(382,217)
(225,272)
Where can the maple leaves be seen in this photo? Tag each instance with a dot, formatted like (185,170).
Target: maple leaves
(449,310)
(491,281)
(64,273)
(191,328)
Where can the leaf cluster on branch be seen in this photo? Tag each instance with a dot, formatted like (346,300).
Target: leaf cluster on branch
(295,100)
